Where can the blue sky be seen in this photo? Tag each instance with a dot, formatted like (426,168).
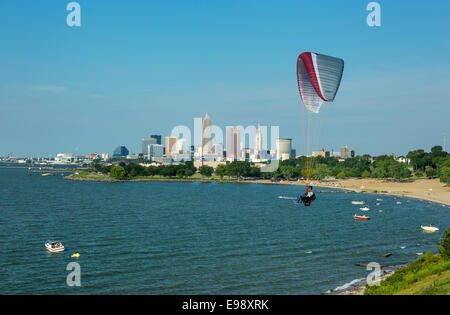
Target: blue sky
(136,68)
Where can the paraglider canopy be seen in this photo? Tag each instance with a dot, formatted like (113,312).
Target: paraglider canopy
(319,77)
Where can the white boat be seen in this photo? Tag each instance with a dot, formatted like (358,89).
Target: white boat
(364,209)
(357,202)
(399,203)
(54,247)
(378,199)
(429,228)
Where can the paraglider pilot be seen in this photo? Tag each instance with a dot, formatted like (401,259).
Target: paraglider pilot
(308,197)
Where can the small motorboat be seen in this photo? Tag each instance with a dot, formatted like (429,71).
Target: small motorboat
(357,202)
(429,228)
(54,247)
(75,255)
(378,199)
(378,203)
(364,209)
(399,203)
(361,217)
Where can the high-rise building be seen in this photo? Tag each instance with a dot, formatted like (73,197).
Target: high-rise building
(181,147)
(156,151)
(171,148)
(293,153)
(233,143)
(206,136)
(146,142)
(157,137)
(217,150)
(284,148)
(319,153)
(121,151)
(258,142)
(345,152)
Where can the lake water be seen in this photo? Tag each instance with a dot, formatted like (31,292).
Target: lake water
(198,238)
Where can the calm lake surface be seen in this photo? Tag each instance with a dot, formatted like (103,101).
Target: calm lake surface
(198,238)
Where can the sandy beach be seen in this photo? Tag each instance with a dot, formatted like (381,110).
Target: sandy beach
(426,189)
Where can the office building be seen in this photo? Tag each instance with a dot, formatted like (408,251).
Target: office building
(156,151)
(206,136)
(345,152)
(284,147)
(233,143)
(157,137)
(146,142)
(171,148)
(121,151)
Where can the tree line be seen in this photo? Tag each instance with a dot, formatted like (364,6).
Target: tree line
(433,164)
(183,170)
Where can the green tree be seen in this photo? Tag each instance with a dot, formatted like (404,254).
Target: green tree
(287,171)
(221,170)
(365,174)
(206,170)
(444,246)
(117,172)
(255,171)
(320,171)
(239,168)
(417,158)
(430,171)
(134,170)
(444,174)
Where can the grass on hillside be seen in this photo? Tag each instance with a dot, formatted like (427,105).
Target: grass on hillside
(429,275)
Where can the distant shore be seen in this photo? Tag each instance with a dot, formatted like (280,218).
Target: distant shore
(426,189)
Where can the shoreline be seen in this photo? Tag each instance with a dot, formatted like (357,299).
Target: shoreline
(359,289)
(424,189)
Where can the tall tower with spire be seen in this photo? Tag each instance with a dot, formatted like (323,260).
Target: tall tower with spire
(206,136)
(258,142)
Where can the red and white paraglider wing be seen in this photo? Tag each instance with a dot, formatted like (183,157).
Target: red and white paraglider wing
(319,77)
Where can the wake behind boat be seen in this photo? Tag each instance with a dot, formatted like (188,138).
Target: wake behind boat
(54,247)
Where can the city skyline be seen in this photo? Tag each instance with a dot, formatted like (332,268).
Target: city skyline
(66,89)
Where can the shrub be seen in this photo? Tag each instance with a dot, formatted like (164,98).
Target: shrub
(117,172)
(444,246)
